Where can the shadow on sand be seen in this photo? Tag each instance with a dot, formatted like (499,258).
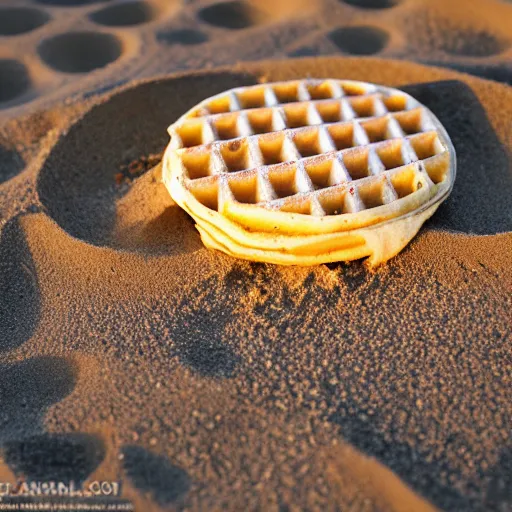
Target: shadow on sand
(11,163)
(59,457)
(480,200)
(28,389)
(154,474)
(19,296)
(77,182)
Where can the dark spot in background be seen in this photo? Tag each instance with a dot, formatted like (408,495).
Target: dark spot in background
(14,80)
(80,52)
(234,15)
(19,20)
(359,40)
(125,14)
(470,43)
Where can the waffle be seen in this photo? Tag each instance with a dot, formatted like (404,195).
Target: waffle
(309,171)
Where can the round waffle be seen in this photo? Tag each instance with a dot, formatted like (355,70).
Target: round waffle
(309,171)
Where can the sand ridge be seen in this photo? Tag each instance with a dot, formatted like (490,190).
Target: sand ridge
(207,382)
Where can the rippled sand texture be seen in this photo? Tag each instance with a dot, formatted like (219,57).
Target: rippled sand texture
(130,352)
(51,50)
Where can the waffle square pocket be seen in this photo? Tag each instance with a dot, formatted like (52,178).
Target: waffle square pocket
(309,171)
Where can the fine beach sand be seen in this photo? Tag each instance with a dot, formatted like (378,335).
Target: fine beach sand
(129,352)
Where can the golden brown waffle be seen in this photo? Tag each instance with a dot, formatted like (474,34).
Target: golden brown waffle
(309,171)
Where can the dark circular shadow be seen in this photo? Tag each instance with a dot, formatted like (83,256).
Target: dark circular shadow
(28,388)
(19,296)
(155,474)
(125,14)
(469,43)
(14,80)
(84,198)
(19,20)
(372,4)
(185,36)
(11,163)
(55,457)
(360,40)
(80,52)
(234,15)
(37,383)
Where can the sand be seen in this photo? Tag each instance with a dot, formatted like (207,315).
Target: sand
(130,352)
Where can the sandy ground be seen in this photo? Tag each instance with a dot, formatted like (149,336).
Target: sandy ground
(129,352)
(62,50)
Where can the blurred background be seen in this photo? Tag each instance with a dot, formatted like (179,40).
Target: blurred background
(57,50)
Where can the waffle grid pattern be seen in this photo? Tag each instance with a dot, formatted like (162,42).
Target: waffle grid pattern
(311,147)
